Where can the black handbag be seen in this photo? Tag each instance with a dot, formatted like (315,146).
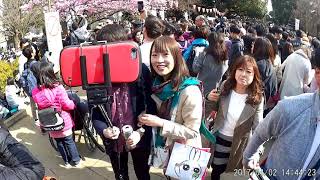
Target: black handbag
(50,119)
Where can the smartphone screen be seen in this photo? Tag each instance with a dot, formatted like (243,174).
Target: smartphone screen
(140,6)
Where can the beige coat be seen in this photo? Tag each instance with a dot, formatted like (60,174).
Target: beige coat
(185,120)
(248,121)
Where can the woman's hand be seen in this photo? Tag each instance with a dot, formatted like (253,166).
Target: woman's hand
(111,133)
(253,162)
(213,95)
(150,120)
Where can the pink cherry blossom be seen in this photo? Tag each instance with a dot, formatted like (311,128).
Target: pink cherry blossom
(99,7)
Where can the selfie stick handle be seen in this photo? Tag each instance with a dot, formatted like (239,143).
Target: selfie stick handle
(83,65)
(106,67)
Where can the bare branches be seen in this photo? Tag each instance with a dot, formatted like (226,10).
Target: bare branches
(16,22)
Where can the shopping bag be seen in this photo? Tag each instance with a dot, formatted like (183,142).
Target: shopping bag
(187,162)
(158,157)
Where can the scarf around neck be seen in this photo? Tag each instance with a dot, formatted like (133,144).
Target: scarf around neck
(169,97)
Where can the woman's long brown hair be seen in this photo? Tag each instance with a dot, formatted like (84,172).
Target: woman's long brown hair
(161,45)
(217,47)
(262,49)
(254,90)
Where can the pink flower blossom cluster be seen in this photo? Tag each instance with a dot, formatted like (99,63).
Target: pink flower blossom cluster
(92,7)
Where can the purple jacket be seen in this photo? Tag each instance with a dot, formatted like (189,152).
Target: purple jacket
(57,98)
(129,101)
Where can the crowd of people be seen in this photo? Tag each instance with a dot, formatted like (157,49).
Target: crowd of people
(258,85)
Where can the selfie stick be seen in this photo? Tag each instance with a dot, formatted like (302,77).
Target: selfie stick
(98,95)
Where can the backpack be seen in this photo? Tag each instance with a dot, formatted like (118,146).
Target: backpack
(24,77)
(196,50)
(26,80)
(50,119)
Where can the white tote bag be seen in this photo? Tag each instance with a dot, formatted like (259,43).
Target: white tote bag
(187,162)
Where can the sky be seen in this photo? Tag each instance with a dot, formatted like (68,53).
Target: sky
(269,6)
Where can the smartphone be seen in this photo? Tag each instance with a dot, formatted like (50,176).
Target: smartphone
(124,62)
(140,6)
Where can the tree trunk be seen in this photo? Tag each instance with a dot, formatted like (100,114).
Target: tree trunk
(16,40)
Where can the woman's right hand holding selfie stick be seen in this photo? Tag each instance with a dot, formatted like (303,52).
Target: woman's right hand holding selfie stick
(213,95)
(111,132)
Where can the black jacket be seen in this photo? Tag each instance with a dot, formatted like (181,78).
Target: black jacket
(268,77)
(236,50)
(16,162)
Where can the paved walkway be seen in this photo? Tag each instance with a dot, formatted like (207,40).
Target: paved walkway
(95,167)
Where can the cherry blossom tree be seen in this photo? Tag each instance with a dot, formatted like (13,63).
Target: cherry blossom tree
(97,7)
(16,23)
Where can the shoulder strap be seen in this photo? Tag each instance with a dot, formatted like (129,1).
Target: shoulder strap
(26,65)
(203,128)
(75,35)
(54,100)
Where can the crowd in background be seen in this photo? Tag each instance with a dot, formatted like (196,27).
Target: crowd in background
(252,77)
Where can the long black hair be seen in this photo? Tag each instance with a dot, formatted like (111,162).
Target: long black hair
(112,33)
(47,78)
(315,60)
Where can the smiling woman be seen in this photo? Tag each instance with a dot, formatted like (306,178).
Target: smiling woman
(177,95)
(167,61)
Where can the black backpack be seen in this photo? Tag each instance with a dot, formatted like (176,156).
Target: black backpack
(196,50)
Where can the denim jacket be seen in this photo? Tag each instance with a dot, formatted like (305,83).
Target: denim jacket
(292,123)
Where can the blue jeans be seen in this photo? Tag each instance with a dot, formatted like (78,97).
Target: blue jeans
(68,149)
